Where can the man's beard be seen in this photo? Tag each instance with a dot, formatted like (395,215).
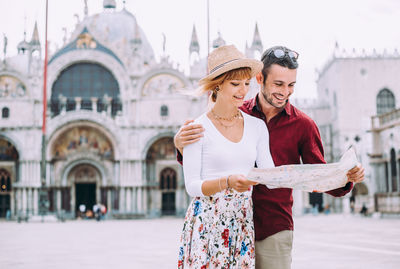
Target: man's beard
(269,100)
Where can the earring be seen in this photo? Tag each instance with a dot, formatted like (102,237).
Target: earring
(217,88)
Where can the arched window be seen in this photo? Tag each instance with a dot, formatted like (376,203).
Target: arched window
(162,149)
(393,169)
(168,179)
(5,112)
(164,111)
(385,101)
(87,81)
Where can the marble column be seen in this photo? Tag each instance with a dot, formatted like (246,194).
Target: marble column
(140,200)
(134,200)
(30,201)
(35,202)
(144,201)
(346,205)
(19,200)
(58,200)
(24,200)
(122,199)
(128,198)
(109,201)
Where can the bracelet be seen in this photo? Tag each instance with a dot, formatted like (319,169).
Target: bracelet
(219,183)
(227,182)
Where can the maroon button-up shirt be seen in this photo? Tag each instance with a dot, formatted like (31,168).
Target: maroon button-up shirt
(293,136)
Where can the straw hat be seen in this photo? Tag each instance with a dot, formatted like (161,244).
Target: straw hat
(226,58)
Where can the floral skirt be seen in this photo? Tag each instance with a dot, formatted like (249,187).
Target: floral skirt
(218,232)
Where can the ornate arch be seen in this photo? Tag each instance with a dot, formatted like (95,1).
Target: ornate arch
(161,72)
(105,175)
(15,142)
(83,124)
(152,140)
(18,77)
(90,56)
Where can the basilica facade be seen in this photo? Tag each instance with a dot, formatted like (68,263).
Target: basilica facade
(113,110)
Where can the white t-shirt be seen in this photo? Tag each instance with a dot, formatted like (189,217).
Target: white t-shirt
(215,156)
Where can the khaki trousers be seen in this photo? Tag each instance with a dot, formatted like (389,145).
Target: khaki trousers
(275,251)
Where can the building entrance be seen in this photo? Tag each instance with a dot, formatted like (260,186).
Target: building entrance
(85,195)
(4,205)
(168,190)
(5,191)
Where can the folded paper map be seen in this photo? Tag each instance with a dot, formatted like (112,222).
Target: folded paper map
(307,177)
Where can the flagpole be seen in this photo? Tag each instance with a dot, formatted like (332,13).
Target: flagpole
(43,196)
(208,27)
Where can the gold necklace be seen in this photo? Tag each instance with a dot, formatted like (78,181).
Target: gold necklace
(226,126)
(234,117)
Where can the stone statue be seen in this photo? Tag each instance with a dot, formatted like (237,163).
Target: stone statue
(5,46)
(164,41)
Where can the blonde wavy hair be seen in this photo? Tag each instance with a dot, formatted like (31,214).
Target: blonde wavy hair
(211,85)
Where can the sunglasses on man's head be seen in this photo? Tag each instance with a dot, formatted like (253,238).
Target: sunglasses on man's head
(280,53)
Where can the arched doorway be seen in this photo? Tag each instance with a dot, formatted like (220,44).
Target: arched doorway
(82,156)
(8,174)
(85,180)
(161,177)
(168,191)
(5,192)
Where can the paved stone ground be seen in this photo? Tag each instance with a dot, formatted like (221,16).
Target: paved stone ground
(333,241)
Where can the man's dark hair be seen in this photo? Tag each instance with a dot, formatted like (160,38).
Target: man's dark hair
(268,58)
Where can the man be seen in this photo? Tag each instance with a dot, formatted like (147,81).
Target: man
(294,137)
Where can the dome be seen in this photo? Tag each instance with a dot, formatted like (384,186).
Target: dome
(219,41)
(109,4)
(23,46)
(19,63)
(119,29)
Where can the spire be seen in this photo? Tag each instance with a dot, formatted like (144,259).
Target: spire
(194,43)
(336,51)
(257,43)
(35,36)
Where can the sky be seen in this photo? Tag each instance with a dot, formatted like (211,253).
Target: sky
(310,27)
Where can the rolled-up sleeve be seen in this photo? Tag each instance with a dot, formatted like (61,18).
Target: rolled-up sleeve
(192,168)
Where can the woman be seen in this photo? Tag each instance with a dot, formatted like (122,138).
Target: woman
(218,229)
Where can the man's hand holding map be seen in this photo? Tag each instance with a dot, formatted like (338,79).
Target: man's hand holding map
(307,177)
